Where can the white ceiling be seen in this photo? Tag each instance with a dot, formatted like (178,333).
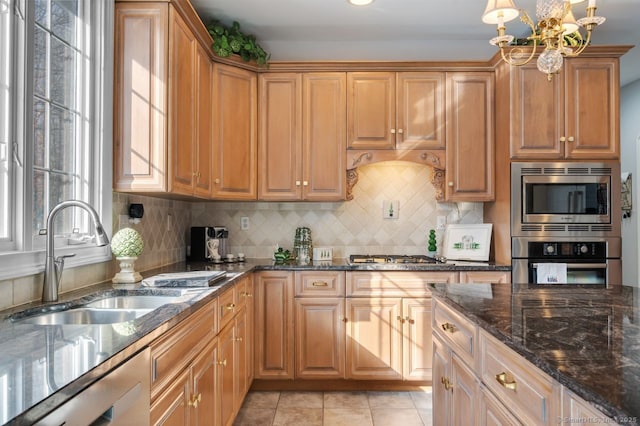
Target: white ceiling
(424,30)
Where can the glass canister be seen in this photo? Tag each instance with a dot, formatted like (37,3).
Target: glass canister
(303,245)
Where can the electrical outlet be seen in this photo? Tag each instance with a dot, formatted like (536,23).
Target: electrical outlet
(244,223)
(441,222)
(390,209)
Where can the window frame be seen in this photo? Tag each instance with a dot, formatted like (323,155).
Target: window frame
(22,256)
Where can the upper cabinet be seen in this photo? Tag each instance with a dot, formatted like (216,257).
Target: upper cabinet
(302,126)
(388,110)
(470,136)
(573,116)
(235,134)
(163,89)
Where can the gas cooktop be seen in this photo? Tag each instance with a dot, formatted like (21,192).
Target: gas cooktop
(395,258)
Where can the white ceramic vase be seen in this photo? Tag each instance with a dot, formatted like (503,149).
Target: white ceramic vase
(127,272)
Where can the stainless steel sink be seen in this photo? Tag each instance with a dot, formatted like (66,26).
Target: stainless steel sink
(131,302)
(83,316)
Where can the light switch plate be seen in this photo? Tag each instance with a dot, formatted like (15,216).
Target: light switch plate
(390,209)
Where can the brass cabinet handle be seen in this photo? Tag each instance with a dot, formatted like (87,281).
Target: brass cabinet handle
(320,284)
(409,320)
(245,294)
(216,181)
(223,363)
(570,139)
(344,319)
(400,319)
(448,327)
(230,306)
(238,339)
(447,384)
(392,131)
(502,379)
(195,400)
(562,139)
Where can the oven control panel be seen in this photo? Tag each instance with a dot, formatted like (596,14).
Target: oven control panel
(568,250)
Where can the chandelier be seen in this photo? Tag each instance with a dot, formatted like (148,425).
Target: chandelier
(557,31)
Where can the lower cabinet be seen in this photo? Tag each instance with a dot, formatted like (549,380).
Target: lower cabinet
(200,377)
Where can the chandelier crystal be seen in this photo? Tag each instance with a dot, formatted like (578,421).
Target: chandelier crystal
(556,30)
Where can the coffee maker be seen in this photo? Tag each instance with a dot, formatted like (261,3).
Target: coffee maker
(202,238)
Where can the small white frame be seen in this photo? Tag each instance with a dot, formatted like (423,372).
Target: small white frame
(467,241)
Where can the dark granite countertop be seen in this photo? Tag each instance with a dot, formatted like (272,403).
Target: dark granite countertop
(586,339)
(85,353)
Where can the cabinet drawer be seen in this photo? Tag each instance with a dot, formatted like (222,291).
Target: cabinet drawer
(173,351)
(319,283)
(528,392)
(395,284)
(456,331)
(227,306)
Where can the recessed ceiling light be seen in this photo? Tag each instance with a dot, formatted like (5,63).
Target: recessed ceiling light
(360,2)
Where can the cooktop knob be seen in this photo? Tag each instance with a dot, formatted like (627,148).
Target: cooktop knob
(550,248)
(584,248)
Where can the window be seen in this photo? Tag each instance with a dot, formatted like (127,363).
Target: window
(55,125)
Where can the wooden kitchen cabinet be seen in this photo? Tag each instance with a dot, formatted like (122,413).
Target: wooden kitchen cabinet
(226,368)
(573,116)
(274,319)
(235,134)
(387,110)
(302,127)
(485,277)
(163,92)
(416,339)
(470,137)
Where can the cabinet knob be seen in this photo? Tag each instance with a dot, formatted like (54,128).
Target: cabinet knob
(409,320)
(570,139)
(238,339)
(449,328)
(392,131)
(297,183)
(344,319)
(450,184)
(400,319)
(562,139)
(502,379)
(195,400)
(217,181)
(223,363)
(447,384)
(245,294)
(400,131)
(305,183)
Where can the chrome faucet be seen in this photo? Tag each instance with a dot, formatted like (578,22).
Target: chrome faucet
(53,266)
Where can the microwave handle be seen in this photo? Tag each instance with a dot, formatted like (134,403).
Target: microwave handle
(580,265)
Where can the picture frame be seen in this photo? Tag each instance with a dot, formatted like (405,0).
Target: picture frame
(467,242)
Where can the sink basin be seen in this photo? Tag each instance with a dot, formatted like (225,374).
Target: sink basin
(131,302)
(83,316)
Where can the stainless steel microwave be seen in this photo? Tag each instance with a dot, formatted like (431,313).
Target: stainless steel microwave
(565,199)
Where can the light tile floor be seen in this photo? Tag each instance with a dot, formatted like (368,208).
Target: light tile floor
(377,408)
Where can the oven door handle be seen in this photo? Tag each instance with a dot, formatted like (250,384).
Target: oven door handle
(580,265)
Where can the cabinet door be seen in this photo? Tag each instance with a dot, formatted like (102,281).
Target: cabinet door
(235,133)
(241,357)
(274,325)
(441,383)
(537,108)
(485,277)
(320,337)
(140,109)
(416,336)
(203,376)
(226,376)
(420,110)
(470,137)
(464,396)
(374,340)
(280,149)
(592,123)
(492,412)
(371,112)
(204,140)
(324,137)
(182,117)
(171,408)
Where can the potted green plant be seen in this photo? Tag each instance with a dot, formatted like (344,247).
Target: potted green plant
(231,40)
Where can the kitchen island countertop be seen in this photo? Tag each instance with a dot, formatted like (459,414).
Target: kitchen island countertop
(588,340)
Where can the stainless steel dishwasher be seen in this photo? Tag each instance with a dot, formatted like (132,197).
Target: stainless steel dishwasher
(119,398)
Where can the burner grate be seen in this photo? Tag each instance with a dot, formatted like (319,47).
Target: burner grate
(393,258)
